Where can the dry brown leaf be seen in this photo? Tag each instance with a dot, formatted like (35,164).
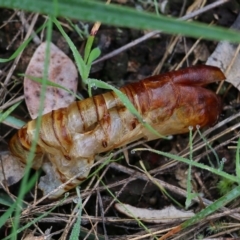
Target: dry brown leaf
(222,57)
(11,169)
(166,215)
(32,237)
(226,55)
(61,71)
(201,52)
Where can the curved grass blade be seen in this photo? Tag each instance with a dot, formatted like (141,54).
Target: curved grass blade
(221,202)
(5,114)
(195,164)
(112,14)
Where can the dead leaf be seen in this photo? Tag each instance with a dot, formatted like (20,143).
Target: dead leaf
(222,57)
(166,215)
(61,71)
(201,52)
(31,236)
(13,169)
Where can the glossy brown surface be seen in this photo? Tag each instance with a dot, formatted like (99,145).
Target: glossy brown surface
(72,136)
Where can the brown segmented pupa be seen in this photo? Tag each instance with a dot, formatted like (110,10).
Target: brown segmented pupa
(71,137)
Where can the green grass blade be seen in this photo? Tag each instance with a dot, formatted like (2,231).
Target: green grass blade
(221,202)
(22,46)
(17,52)
(6,215)
(12,121)
(94,54)
(195,164)
(50,84)
(190,195)
(25,181)
(209,146)
(89,10)
(19,230)
(238,159)
(83,69)
(18,202)
(5,200)
(5,114)
(75,233)
(88,48)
